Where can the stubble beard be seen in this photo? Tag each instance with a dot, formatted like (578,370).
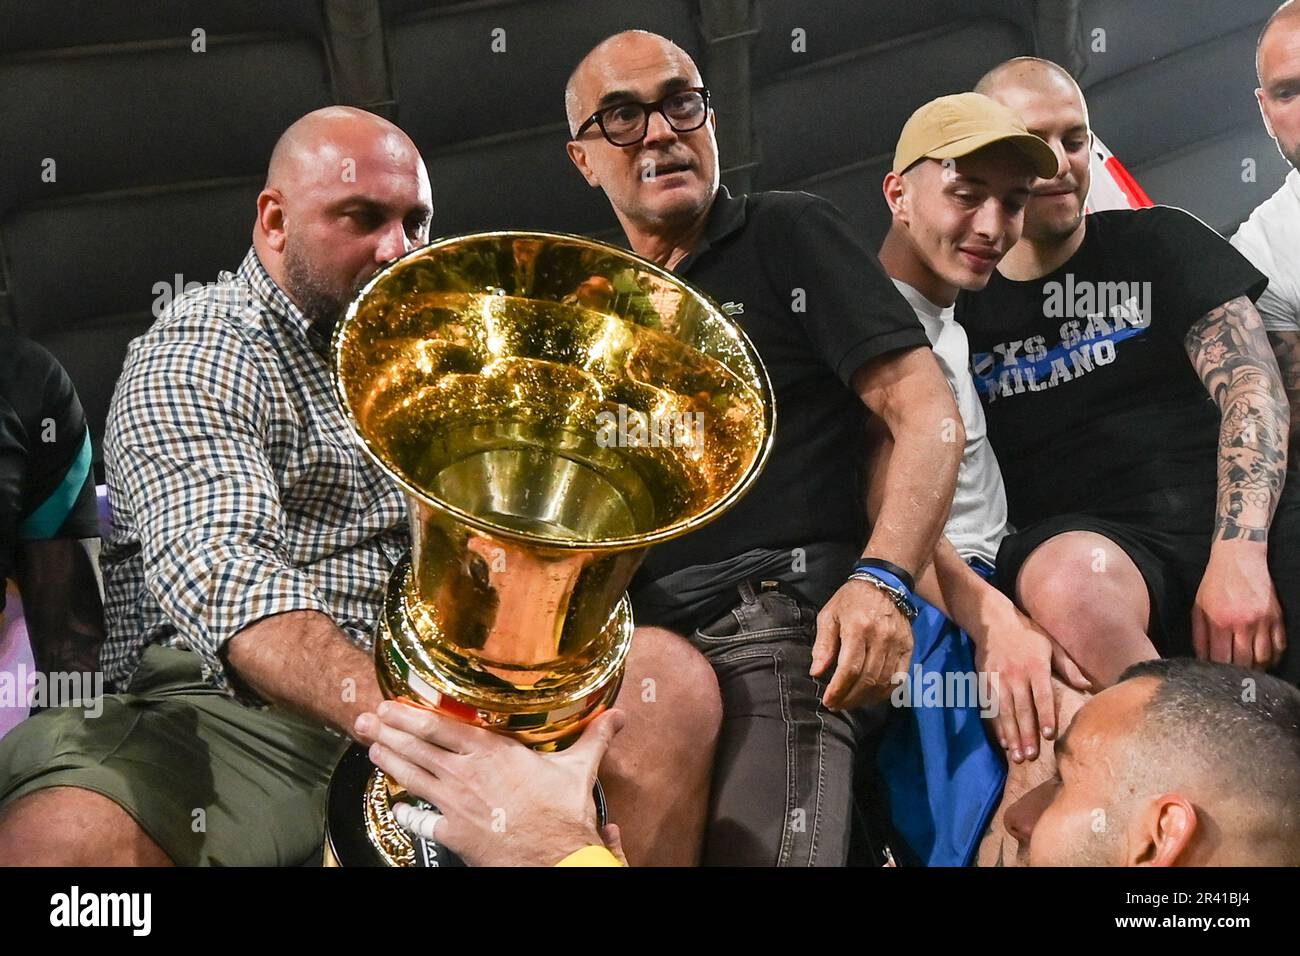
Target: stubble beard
(319,300)
(1292,156)
(1052,234)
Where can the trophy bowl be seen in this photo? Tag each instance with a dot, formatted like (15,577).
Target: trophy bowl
(551,407)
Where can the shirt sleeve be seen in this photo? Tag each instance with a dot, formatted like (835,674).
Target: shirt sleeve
(1279,305)
(186,455)
(59,483)
(1195,269)
(848,306)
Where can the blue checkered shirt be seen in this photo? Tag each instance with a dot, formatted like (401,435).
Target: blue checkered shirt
(237,488)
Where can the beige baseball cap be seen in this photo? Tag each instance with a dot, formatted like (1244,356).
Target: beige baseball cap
(958,125)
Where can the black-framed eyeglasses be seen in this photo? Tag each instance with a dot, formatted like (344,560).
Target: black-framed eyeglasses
(625,124)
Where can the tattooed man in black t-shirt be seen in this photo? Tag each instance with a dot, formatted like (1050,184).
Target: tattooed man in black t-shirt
(1137,410)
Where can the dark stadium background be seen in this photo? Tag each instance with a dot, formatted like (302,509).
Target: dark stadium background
(159,148)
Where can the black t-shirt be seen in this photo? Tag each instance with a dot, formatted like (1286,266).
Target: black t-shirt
(1086,382)
(47,487)
(817,305)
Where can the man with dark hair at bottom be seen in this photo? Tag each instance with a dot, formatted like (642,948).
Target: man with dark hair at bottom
(251,545)
(1180,763)
(801,625)
(1136,408)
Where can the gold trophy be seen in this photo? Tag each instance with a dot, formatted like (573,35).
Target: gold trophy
(551,406)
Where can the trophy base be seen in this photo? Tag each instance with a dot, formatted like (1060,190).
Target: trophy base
(381,841)
(361,829)
(377,839)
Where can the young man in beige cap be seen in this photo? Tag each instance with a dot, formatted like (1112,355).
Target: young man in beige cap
(957,193)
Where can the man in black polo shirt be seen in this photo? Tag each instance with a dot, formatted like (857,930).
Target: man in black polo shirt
(834,335)
(49,524)
(1137,410)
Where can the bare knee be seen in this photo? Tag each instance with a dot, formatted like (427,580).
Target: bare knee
(1071,573)
(664,667)
(671,700)
(1090,596)
(69,826)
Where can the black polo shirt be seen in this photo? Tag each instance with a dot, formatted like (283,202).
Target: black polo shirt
(817,305)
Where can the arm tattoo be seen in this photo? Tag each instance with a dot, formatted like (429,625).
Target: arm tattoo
(1230,351)
(1286,348)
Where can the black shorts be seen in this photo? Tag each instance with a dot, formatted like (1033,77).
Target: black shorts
(1284,566)
(1167,535)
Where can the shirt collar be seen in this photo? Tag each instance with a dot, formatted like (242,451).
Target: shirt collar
(726,215)
(922,304)
(276,301)
(273,297)
(1293,180)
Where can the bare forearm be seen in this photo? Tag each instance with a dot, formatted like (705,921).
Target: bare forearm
(1252,461)
(897,484)
(303,662)
(59,587)
(917,485)
(1231,353)
(964,596)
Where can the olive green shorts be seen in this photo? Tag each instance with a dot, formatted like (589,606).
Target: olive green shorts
(211,781)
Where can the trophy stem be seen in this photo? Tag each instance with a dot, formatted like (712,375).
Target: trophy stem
(413,665)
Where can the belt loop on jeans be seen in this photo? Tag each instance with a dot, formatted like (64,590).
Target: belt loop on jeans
(746,589)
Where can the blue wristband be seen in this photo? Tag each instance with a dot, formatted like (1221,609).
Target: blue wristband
(880,564)
(892,585)
(893,580)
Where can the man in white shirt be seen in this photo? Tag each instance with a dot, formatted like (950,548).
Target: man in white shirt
(957,191)
(1270,238)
